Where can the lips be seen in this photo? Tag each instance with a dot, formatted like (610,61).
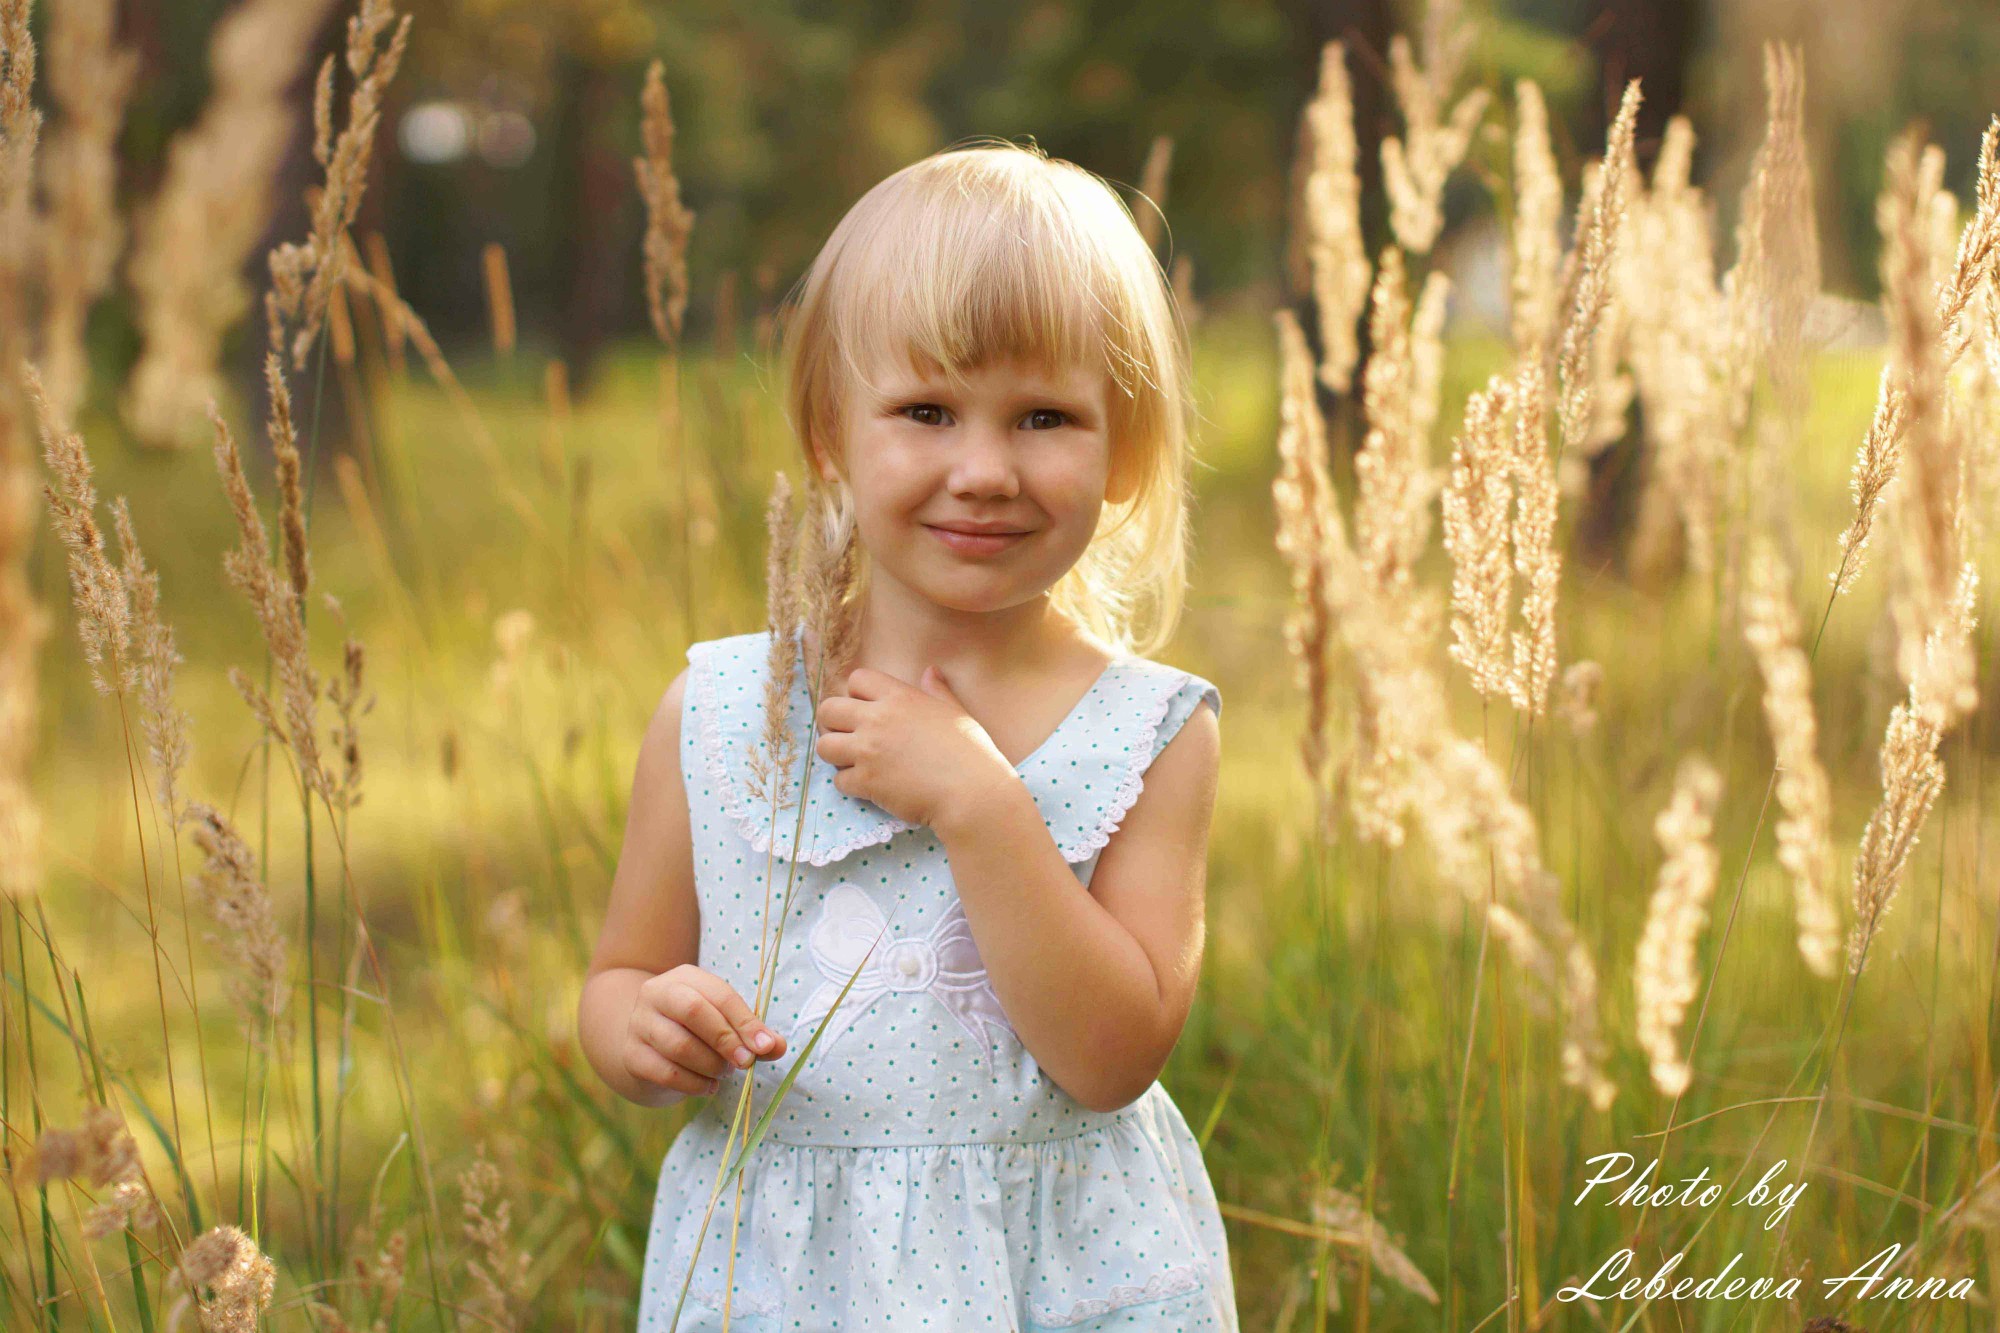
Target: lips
(976,543)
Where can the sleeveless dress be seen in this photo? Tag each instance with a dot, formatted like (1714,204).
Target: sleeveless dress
(922,1172)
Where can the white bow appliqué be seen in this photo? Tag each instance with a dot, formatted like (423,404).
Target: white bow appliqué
(945,963)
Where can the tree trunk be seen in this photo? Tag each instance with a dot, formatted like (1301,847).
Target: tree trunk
(594,192)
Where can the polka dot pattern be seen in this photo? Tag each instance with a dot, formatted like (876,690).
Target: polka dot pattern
(922,1172)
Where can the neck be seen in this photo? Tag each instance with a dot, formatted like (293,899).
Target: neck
(902,632)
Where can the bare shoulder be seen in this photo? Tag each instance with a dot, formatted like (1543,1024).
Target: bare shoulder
(658,773)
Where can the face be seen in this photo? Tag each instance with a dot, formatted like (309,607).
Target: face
(981,497)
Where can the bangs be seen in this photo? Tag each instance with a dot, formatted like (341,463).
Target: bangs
(952,279)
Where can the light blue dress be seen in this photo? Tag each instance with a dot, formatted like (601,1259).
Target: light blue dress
(922,1172)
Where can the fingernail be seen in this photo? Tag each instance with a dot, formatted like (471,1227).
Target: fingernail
(763,1041)
(743,1057)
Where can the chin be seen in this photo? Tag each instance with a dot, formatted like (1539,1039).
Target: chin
(971,595)
(974,601)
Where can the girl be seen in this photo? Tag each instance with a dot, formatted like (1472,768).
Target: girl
(989,381)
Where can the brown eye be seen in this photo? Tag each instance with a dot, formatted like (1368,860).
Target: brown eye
(1060,417)
(922,407)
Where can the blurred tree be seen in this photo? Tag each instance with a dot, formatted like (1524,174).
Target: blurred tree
(1653,41)
(565,211)
(789,109)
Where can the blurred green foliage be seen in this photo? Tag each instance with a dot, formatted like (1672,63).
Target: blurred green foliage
(788,110)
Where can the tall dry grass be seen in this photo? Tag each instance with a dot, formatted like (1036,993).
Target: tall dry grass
(1717,363)
(367,1118)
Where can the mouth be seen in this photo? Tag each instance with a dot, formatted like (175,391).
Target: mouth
(976,543)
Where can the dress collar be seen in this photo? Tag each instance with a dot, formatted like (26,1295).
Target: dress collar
(1084,777)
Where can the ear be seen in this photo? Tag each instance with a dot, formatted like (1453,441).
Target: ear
(829,471)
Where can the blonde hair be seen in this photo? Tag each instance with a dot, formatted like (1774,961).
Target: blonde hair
(996,251)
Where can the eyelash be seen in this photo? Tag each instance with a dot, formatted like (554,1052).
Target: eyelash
(907,408)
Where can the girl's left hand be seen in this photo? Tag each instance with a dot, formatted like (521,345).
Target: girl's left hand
(911,749)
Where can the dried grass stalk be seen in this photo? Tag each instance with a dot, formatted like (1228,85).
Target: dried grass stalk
(1534,242)
(1475,533)
(776,754)
(829,606)
(90,79)
(1929,302)
(102,1153)
(1328,256)
(212,207)
(1912,777)
(1501,460)
(499,1270)
(1308,523)
(1533,536)
(1395,481)
(303,275)
(1771,625)
(241,1279)
(1976,262)
(277,602)
(1874,468)
(1663,972)
(1676,328)
(166,724)
(1414,168)
(1596,245)
(1340,1212)
(1783,226)
(668,224)
(103,606)
(232,893)
(1576,698)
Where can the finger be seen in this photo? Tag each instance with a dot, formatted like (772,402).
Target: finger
(706,1019)
(648,1064)
(836,748)
(838,714)
(868,683)
(749,1028)
(677,1042)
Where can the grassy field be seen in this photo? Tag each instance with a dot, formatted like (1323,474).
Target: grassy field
(524,604)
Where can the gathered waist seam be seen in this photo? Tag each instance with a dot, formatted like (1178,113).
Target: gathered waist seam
(948,1143)
(1124,1115)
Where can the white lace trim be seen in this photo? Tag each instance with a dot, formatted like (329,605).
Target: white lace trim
(1076,839)
(740,1303)
(1174,1281)
(754,825)
(1085,842)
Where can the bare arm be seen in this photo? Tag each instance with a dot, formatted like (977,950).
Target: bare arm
(1097,984)
(650,944)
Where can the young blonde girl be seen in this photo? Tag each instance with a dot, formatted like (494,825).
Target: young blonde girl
(990,385)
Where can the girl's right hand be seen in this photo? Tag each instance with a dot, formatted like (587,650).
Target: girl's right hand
(687,1026)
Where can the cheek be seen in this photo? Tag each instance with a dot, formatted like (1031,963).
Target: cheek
(1077,483)
(882,476)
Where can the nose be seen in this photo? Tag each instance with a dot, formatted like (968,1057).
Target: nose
(983,465)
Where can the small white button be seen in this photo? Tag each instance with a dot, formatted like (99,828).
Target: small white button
(909,965)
